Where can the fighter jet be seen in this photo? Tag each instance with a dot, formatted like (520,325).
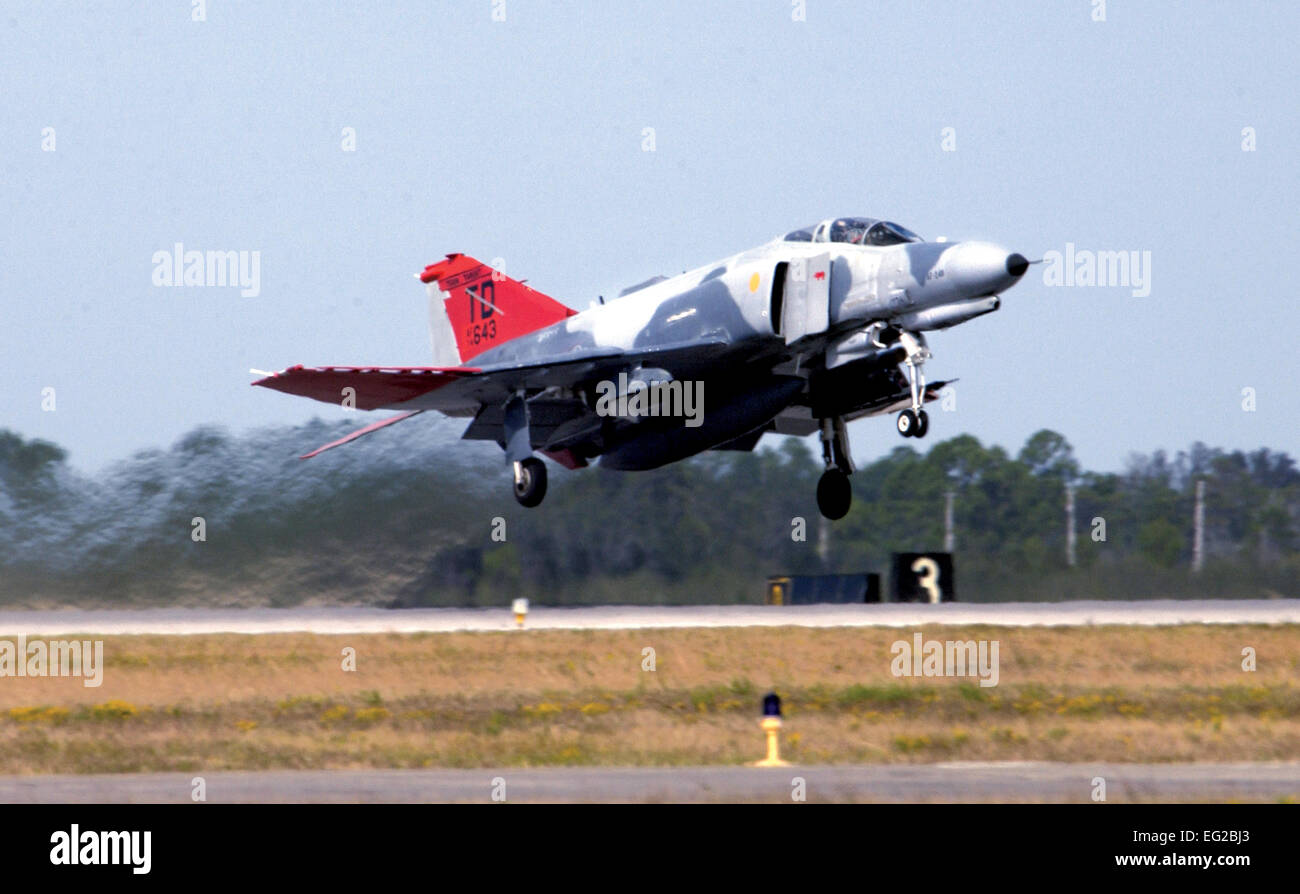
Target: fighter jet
(803,334)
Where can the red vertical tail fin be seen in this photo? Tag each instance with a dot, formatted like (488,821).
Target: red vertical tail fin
(474,307)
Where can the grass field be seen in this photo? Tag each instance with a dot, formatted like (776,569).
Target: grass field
(534,698)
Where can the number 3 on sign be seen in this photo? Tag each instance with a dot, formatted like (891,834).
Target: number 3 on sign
(927,575)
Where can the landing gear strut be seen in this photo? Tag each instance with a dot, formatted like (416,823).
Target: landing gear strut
(530,472)
(914,422)
(530,481)
(834,493)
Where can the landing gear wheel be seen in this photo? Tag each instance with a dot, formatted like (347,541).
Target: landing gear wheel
(908,423)
(922,424)
(834,494)
(530,483)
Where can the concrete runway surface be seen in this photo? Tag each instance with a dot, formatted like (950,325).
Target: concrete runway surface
(441,620)
(899,783)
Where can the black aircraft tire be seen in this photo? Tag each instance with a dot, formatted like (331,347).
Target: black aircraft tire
(922,424)
(907,424)
(834,494)
(530,489)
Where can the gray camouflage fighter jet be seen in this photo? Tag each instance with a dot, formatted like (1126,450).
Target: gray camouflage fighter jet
(803,334)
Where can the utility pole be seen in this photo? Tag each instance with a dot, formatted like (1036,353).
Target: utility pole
(1198,528)
(949,535)
(824,541)
(1069,525)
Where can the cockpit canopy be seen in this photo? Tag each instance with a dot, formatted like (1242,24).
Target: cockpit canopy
(855,231)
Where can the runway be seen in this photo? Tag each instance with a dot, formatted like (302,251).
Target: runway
(902,783)
(339,620)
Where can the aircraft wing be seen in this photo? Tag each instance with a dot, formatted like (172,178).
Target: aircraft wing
(453,388)
(479,391)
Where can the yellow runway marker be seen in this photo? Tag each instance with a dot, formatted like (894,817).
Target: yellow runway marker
(771,724)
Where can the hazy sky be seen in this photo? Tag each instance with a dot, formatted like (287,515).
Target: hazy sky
(525,139)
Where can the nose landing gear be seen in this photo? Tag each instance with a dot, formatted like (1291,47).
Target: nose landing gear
(834,493)
(915,422)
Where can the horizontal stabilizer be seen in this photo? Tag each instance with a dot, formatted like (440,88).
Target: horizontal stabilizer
(364,387)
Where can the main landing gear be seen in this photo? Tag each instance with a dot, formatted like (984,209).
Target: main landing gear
(530,472)
(914,422)
(530,481)
(834,493)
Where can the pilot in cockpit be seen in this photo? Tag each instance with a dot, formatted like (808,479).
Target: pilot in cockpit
(855,231)
(852,230)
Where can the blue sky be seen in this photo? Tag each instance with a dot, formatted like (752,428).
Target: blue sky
(523,140)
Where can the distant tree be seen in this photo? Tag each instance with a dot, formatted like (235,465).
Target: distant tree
(1048,453)
(1161,542)
(24,462)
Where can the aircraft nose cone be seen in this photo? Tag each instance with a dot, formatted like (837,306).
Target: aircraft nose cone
(976,269)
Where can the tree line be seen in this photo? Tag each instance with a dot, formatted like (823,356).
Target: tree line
(427,519)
